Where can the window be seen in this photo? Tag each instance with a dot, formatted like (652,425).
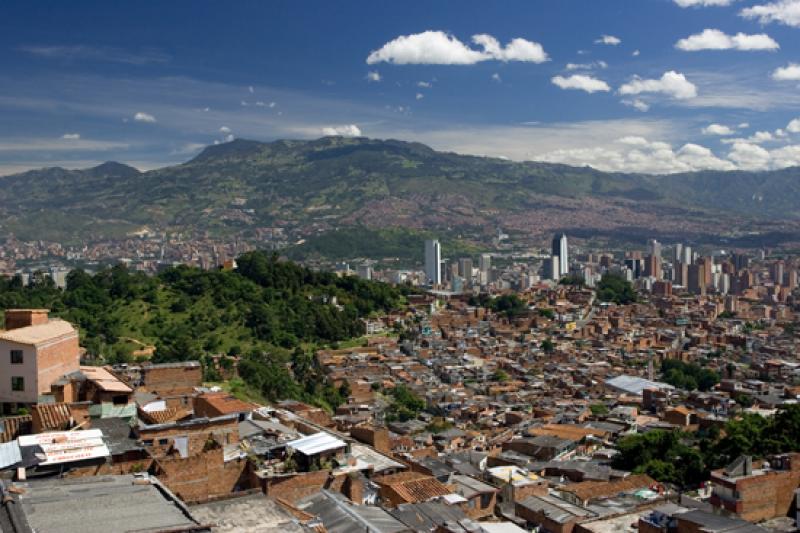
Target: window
(16,357)
(147,442)
(17,383)
(163,442)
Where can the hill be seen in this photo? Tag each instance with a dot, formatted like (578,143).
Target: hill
(306,188)
(269,312)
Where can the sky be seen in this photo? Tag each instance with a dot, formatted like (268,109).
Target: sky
(656,86)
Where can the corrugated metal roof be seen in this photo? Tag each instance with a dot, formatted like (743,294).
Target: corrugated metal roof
(9,454)
(316,443)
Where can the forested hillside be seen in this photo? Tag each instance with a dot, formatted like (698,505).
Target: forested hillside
(270,312)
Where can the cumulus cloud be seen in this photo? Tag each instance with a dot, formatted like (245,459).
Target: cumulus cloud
(782,11)
(224,129)
(440,48)
(144,117)
(496,77)
(635,53)
(424,84)
(251,89)
(637,104)
(711,39)
(793,126)
(71,136)
(581,82)
(703,3)
(419,96)
(671,83)
(374,76)
(609,40)
(749,156)
(790,72)
(717,129)
(638,154)
(347,130)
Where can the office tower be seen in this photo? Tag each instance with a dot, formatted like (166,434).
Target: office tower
(677,253)
(485,262)
(433,262)
(561,250)
(681,275)
(652,266)
(553,268)
(697,279)
(792,280)
(687,255)
(776,272)
(706,264)
(654,247)
(465,268)
(740,261)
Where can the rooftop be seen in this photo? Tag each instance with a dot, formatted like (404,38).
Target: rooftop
(316,443)
(107,503)
(33,335)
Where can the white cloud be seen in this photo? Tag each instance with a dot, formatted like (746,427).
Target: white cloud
(419,96)
(637,104)
(581,82)
(749,156)
(743,125)
(374,76)
(608,39)
(782,11)
(347,130)
(251,89)
(71,136)
(711,39)
(793,126)
(424,84)
(703,3)
(224,129)
(496,77)
(228,138)
(671,83)
(635,53)
(717,129)
(440,48)
(144,117)
(637,154)
(587,66)
(790,72)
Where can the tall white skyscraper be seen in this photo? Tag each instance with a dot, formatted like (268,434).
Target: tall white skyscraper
(433,262)
(561,250)
(687,255)
(677,253)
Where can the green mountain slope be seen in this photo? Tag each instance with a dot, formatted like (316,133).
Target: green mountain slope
(309,187)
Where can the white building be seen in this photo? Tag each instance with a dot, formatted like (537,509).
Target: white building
(561,250)
(433,262)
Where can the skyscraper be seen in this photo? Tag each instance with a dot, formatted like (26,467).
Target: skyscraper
(561,250)
(433,262)
(654,247)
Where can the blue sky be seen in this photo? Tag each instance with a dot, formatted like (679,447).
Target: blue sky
(636,85)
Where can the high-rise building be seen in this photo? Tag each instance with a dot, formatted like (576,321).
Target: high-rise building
(485,262)
(677,253)
(433,262)
(652,266)
(697,279)
(552,270)
(561,249)
(465,268)
(688,257)
(654,247)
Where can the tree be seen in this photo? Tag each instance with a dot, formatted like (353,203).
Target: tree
(615,288)
(547,346)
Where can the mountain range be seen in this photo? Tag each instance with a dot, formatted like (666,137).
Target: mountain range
(306,188)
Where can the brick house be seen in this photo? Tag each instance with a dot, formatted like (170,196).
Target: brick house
(756,494)
(35,351)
